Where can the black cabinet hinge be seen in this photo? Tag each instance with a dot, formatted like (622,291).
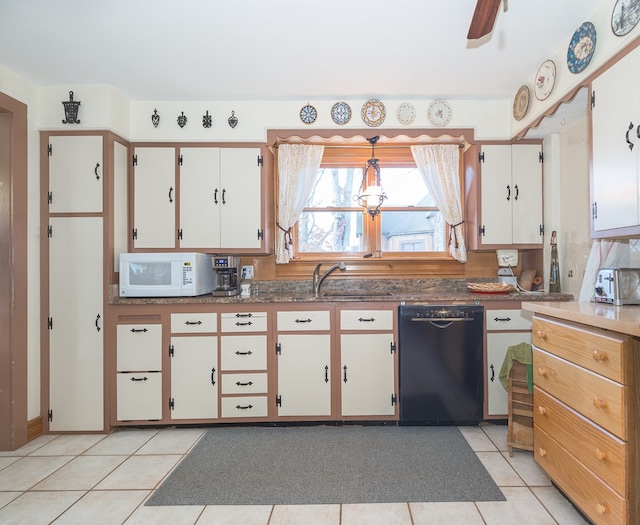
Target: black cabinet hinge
(260,160)
(50,323)
(170,350)
(593,99)
(171,404)
(134,234)
(278,400)
(260,234)
(134,160)
(49,198)
(542,229)
(481,157)
(481,230)
(278,348)
(394,399)
(541,157)
(179,234)
(50,415)
(49,150)
(180,160)
(393,347)
(50,231)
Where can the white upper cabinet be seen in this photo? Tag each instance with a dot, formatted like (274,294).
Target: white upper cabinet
(511,195)
(75,174)
(616,148)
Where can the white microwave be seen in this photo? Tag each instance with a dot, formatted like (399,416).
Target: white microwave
(177,274)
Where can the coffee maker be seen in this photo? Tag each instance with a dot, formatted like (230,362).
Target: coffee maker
(226,269)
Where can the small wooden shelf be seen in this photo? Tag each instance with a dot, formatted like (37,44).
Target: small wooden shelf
(520,430)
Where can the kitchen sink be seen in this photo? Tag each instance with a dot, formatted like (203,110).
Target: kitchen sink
(362,293)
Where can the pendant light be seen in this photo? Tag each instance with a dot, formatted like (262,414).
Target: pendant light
(372,196)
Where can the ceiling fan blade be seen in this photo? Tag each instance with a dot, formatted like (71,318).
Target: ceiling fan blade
(483,19)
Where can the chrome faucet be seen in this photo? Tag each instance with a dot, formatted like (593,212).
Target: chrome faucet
(317,279)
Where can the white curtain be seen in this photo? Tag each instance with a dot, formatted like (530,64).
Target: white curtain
(604,254)
(439,165)
(298,166)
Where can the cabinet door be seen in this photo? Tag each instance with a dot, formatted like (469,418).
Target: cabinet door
(614,126)
(138,347)
(76,391)
(304,375)
(241,211)
(526,193)
(75,174)
(367,373)
(139,396)
(496,195)
(497,345)
(194,377)
(200,197)
(154,192)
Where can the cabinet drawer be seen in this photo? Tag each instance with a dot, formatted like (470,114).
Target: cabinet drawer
(307,320)
(245,406)
(139,396)
(194,323)
(597,350)
(244,383)
(594,396)
(139,347)
(243,352)
(598,501)
(599,451)
(508,319)
(366,319)
(243,322)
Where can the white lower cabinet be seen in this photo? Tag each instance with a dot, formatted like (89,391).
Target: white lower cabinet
(194,377)
(504,328)
(139,396)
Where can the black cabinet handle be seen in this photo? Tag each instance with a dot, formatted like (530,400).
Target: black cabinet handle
(244,315)
(517,192)
(213,376)
(215,196)
(502,319)
(138,379)
(188,323)
(493,373)
(248,352)
(303,320)
(508,192)
(344,368)
(631,144)
(171,194)
(223,194)
(97,322)
(248,323)
(365,320)
(248,383)
(138,330)
(246,407)
(326,373)
(95,170)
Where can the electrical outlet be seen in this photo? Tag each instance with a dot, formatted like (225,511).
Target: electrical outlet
(247,272)
(507,257)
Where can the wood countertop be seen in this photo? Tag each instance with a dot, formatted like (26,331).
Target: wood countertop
(622,319)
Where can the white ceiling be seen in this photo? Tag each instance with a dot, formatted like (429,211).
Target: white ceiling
(283,49)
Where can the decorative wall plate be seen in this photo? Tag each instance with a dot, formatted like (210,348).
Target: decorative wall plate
(308,114)
(341,113)
(521,103)
(373,112)
(581,48)
(545,79)
(406,113)
(439,112)
(625,16)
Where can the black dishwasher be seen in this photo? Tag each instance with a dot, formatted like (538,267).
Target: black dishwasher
(440,350)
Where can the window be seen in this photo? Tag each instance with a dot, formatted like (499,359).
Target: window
(333,223)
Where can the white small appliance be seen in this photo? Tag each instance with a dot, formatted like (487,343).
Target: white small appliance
(507,259)
(171,274)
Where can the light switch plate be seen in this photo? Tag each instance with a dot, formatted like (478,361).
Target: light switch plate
(507,257)
(247,272)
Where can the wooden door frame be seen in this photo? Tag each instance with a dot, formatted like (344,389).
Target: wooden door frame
(13,273)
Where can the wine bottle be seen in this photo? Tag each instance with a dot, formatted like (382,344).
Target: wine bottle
(554,273)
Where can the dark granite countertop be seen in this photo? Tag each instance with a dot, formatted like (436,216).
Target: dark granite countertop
(438,291)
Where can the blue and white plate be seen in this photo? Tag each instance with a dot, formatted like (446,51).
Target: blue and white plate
(581,48)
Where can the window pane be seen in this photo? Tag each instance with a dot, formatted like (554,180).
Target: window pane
(413,231)
(330,231)
(404,187)
(335,187)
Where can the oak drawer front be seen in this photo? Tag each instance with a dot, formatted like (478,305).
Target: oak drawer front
(366,319)
(298,321)
(244,383)
(597,500)
(245,406)
(594,396)
(195,323)
(599,451)
(243,322)
(243,352)
(508,319)
(599,351)
(139,347)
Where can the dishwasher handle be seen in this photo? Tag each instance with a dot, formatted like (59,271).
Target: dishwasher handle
(441,322)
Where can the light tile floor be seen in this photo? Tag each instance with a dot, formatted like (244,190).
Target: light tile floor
(105,480)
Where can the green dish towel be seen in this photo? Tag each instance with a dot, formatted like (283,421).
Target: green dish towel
(523,354)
